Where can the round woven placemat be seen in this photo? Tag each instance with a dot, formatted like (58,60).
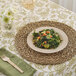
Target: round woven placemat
(41,58)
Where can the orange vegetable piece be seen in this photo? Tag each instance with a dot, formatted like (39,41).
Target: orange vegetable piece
(45,42)
(47,32)
(38,37)
(50,36)
(44,34)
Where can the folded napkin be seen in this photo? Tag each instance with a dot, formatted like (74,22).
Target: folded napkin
(9,70)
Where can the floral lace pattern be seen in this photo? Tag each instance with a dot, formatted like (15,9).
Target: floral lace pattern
(13,16)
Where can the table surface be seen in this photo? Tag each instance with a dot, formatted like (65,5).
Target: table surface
(14,15)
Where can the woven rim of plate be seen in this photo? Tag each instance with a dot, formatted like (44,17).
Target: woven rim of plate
(55,58)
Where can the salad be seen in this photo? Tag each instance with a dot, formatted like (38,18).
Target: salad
(46,39)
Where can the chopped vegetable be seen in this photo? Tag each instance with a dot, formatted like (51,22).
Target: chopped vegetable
(38,37)
(45,42)
(47,32)
(46,39)
(50,36)
(44,34)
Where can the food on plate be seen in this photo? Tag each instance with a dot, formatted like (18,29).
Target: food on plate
(46,39)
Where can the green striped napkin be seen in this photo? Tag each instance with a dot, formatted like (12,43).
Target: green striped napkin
(9,70)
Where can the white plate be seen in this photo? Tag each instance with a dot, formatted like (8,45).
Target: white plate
(61,46)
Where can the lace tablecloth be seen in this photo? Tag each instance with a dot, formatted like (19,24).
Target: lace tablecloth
(13,16)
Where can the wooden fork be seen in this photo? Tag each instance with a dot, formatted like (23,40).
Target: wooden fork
(6,59)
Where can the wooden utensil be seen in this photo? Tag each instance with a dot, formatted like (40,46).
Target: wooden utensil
(5,58)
